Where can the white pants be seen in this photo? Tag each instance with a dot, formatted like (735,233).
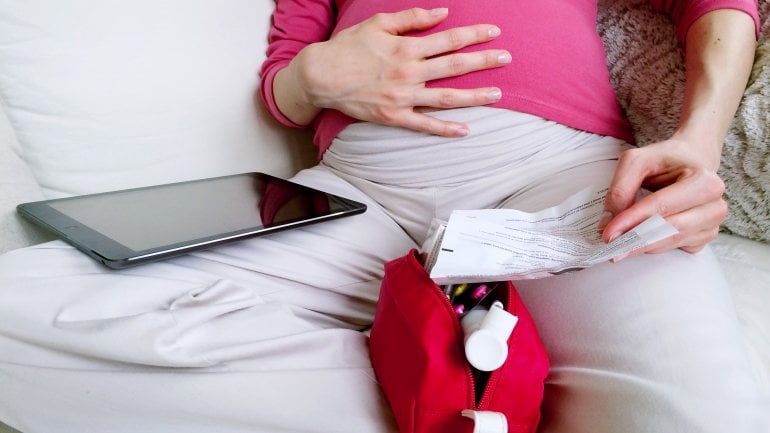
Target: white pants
(264,335)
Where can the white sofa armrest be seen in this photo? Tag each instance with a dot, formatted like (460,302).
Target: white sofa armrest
(16,186)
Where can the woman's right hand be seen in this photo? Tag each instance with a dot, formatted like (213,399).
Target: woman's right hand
(373,73)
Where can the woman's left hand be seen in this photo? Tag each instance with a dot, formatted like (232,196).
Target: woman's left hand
(681,172)
(685,189)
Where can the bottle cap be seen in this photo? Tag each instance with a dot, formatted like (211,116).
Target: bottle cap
(499,321)
(487,421)
(471,321)
(485,350)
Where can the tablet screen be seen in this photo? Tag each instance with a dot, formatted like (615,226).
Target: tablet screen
(196,212)
(170,214)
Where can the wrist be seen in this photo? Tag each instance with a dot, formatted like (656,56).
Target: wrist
(291,91)
(700,145)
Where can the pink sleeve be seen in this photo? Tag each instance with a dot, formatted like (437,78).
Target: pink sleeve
(296,24)
(684,12)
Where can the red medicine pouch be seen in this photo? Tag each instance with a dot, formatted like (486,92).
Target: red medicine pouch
(417,351)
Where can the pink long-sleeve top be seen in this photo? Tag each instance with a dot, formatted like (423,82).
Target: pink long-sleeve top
(558,70)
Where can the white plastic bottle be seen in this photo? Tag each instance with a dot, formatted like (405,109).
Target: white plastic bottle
(486,336)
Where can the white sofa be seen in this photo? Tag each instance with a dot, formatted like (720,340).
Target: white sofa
(106,95)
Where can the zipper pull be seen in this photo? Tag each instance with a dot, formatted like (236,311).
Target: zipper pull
(485,421)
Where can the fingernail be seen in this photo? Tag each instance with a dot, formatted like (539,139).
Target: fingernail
(504,58)
(462,131)
(619,258)
(494,32)
(603,221)
(494,95)
(439,11)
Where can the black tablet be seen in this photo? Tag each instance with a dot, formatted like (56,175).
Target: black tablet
(129,227)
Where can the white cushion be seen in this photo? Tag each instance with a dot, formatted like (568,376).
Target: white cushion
(112,94)
(747,266)
(16,185)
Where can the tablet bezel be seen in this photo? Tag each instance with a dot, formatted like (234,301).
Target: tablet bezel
(115,255)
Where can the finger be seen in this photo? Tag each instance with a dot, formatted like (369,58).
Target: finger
(621,194)
(696,242)
(696,227)
(454,98)
(678,197)
(666,245)
(461,63)
(696,248)
(456,38)
(431,125)
(408,20)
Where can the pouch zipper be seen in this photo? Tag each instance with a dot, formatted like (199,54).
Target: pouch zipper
(494,375)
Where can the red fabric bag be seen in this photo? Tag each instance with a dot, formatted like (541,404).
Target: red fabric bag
(417,351)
